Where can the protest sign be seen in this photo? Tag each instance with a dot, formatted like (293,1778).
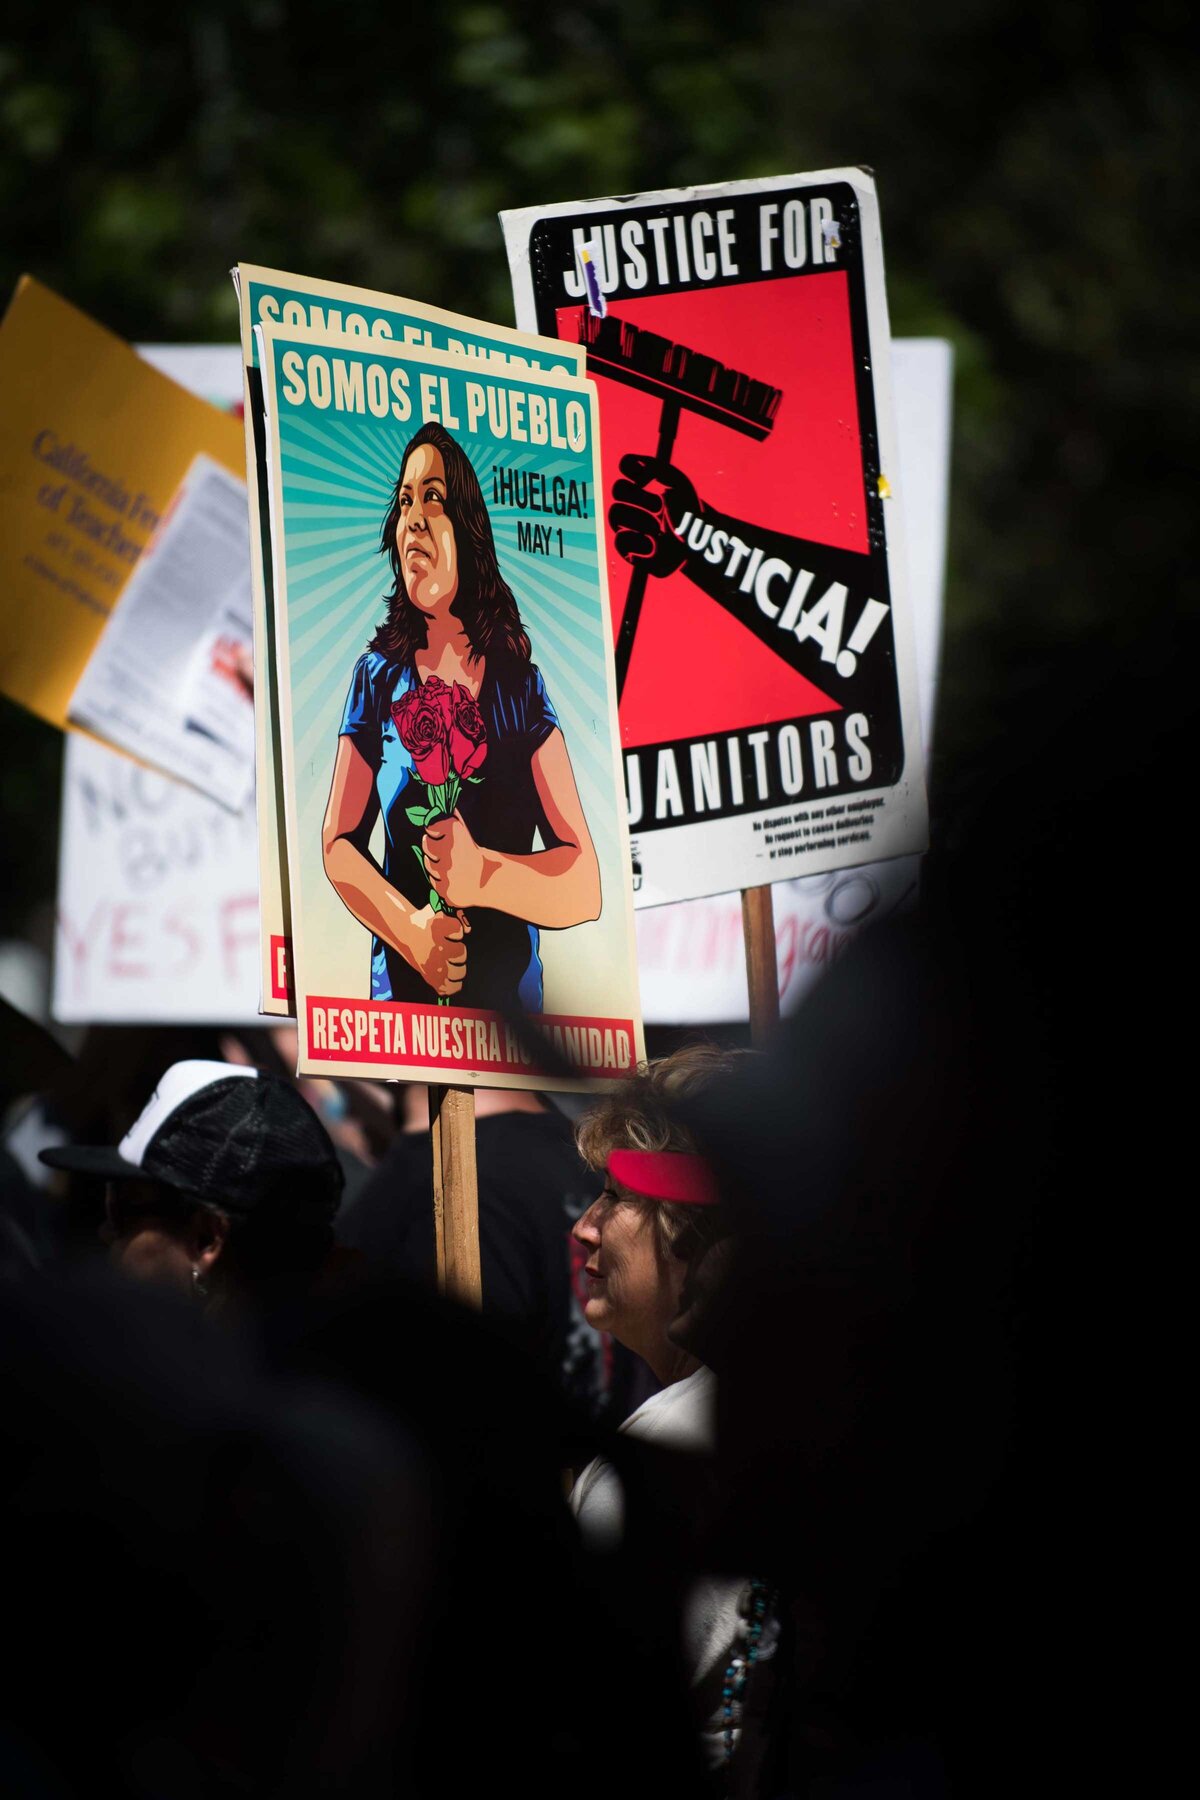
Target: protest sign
(157,902)
(157,897)
(690,953)
(270,296)
(738,334)
(95,442)
(388,725)
(166,681)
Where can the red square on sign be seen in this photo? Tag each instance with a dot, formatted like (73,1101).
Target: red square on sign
(281,957)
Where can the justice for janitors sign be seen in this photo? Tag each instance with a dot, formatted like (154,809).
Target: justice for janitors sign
(739,339)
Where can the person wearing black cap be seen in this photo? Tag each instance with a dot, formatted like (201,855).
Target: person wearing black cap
(225,1181)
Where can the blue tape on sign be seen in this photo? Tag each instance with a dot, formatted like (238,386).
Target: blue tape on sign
(597,304)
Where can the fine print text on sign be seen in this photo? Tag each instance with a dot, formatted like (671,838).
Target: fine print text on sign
(94,442)
(165,682)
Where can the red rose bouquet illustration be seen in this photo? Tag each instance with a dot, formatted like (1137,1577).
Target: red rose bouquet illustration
(443,731)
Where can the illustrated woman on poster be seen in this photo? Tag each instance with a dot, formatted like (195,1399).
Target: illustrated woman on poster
(449,733)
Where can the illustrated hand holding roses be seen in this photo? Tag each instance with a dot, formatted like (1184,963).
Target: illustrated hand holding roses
(443,731)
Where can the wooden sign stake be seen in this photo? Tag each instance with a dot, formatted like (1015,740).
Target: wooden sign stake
(455,1192)
(762,976)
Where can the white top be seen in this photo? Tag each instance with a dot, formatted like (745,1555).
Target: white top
(681,1417)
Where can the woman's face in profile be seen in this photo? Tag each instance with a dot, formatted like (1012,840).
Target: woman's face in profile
(425,533)
(632,1292)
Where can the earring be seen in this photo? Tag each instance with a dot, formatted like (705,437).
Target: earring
(199,1290)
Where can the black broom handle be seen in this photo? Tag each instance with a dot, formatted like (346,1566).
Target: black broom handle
(636,593)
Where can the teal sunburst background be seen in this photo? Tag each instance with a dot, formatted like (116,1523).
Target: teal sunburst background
(337,475)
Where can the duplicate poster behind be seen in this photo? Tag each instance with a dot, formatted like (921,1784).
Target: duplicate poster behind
(457,844)
(768,696)
(271,296)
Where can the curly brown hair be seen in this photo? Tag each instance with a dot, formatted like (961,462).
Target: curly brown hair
(485,604)
(643,1114)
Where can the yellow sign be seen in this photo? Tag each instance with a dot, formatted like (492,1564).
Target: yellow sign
(94,444)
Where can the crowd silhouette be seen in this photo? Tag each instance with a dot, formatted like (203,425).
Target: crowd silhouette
(304,1526)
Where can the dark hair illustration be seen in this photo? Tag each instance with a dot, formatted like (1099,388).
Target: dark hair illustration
(485,604)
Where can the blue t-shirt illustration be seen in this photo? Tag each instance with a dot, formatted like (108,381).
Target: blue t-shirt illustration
(503,812)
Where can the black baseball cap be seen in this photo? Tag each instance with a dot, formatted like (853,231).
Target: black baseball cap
(236,1138)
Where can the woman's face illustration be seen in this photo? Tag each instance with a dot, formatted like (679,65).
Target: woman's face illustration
(425,533)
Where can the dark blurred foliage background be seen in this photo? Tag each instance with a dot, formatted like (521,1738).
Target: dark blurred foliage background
(1036,170)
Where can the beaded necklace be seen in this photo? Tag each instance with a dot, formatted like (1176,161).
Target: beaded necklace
(737,1674)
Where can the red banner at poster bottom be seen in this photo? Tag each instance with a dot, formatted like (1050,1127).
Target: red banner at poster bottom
(385,1031)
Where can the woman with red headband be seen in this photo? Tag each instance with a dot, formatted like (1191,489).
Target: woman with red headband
(654,1211)
(656,1216)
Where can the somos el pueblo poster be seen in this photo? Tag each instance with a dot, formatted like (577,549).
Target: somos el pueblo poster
(768,696)
(270,296)
(457,844)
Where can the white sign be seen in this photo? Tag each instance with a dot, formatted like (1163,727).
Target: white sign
(157,899)
(213,371)
(764,642)
(163,682)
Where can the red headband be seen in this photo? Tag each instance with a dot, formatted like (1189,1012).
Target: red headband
(665,1175)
